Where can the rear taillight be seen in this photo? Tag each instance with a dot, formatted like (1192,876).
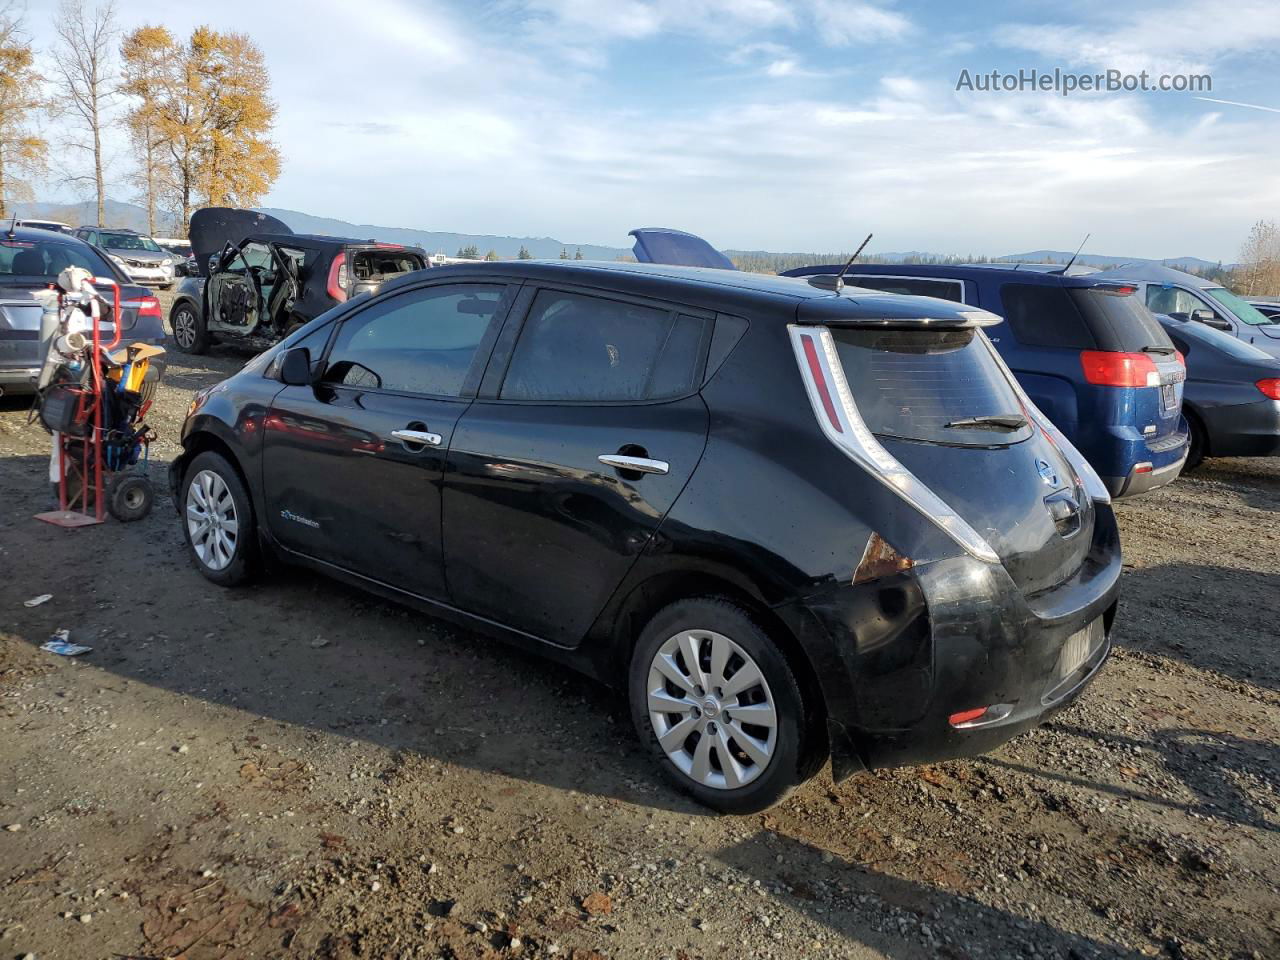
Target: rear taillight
(147,306)
(1109,368)
(839,419)
(1270,387)
(1181,359)
(337,285)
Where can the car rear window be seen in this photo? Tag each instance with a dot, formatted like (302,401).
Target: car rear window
(1119,320)
(911,286)
(1043,315)
(911,384)
(48,258)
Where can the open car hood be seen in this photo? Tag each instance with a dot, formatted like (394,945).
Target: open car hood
(212,228)
(677,249)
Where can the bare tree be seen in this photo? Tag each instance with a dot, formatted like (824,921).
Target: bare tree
(1260,260)
(85,72)
(22,151)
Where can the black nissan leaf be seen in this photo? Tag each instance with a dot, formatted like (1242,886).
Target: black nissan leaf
(793,521)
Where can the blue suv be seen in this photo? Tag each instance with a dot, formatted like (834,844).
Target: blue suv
(1087,351)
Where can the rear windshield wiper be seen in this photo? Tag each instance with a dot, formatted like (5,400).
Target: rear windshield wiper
(1160,350)
(999,421)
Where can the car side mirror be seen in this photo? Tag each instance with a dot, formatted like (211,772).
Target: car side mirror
(295,367)
(1210,319)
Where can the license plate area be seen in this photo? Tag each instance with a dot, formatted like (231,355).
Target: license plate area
(1076,660)
(1168,396)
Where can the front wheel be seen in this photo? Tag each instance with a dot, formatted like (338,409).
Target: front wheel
(1195,455)
(189,331)
(715,701)
(217,520)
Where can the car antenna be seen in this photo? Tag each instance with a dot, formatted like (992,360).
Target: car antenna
(13,226)
(824,281)
(1064,270)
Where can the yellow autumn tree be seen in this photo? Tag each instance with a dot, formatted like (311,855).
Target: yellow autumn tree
(22,151)
(208,105)
(144,79)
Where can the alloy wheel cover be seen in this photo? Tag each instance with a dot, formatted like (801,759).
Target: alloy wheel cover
(212,522)
(711,709)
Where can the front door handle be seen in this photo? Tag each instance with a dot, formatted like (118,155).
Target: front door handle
(421,438)
(638,464)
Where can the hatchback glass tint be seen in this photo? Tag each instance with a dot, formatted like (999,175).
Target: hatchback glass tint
(583,349)
(922,385)
(422,341)
(1120,321)
(1043,315)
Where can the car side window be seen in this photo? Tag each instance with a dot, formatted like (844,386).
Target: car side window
(421,341)
(581,349)
(1043,315)
(1174,301)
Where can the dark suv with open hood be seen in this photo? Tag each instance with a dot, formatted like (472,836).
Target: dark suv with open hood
(257,279)
(790,522)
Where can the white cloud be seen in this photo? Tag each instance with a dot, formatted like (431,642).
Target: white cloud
(1188,37)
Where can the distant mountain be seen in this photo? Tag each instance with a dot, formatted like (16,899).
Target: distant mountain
(447,243)
(120,214)
(1097,260)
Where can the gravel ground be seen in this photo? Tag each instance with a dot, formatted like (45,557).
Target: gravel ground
(297,769)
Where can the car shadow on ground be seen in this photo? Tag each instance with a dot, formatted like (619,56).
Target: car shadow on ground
(1246,477)
(902,919)
(302,650)
(1220,603)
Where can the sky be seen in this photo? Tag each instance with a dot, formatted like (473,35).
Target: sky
(764,124)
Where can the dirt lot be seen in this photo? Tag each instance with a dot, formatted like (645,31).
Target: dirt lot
(296,769)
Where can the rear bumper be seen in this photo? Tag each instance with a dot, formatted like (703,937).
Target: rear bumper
(901,656)
(1243,429)
(14,380)
(1145,477)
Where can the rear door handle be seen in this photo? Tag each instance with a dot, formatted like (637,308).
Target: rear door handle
(417,437)
(638,464)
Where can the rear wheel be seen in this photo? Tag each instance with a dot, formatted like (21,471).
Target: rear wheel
(1198,445)
(189,331)
(715,701)
(217,520)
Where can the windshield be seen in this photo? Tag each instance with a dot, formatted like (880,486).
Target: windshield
(1244,312)
(129,241)
(938,386)
(45,259)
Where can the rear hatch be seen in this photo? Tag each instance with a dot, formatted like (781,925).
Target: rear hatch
(1133,351)
(938,402)
(212,228)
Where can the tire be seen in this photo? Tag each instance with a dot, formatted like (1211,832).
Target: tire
(189,332)
(226,551)
(728,642)
(1199,443)
(129,496)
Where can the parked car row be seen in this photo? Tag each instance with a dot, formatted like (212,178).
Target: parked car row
(792,519)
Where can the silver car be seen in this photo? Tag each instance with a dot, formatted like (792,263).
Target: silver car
(144,260)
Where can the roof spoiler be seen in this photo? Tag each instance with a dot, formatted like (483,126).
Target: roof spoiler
(675,248)
(892,312)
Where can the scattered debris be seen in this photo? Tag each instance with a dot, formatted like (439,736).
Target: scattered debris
(36,601)
(60,643)
(597,904)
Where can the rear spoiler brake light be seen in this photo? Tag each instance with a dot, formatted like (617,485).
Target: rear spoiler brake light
(961,320)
